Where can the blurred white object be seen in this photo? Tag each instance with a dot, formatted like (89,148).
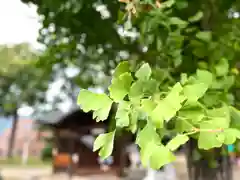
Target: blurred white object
(134,156)
(54,151)
(75,158)
(167,173)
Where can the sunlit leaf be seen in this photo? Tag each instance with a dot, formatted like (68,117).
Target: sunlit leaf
(144,72)
(120,87)
(99,103)
(105,143)
(177,141)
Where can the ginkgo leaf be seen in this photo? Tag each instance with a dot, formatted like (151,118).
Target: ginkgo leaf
(148,105)
(235,116)
(156,155)
(99,103)
(136,91)
(208,139)
(204,76)
(231,135)
(177,141)
(105,143)
(195,91)
(142,88)
(219,117)
(168,107)
(122,115)
(122,68)
(222,67)
(146,134)
(120,87)
(160,157)
(134,116)
(144,72)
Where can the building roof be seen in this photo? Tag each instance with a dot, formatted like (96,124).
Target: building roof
(75,117)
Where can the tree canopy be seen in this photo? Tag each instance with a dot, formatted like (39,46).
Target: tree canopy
(21,82)
(182,67)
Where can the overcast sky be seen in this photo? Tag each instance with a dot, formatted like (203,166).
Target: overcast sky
(19,23)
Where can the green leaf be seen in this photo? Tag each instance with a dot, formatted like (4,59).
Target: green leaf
(183,125)
(146,134)
(196,17)
(230,136)
(144,72)
(177,141)
(122,68)
(148,105)
(159,74)
(167,4)
(203,76)
(184,78)
(222,67)
(146,153)
(235,117)
(208,139)
(161,156)
(156,155)
(134,114)
(204,36)
(136,91)
(219,117)
(99,103)
(120,87)
(122,115)
(105,143)
(168,107)
(181,4)
(188,120)
(142,88)
(195,91)
(177,21)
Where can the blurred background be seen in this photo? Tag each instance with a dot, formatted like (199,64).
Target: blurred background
(50,49)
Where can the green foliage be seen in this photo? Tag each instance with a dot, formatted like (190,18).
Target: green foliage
(192,48)
(21,82)
(181,103)
(46,153)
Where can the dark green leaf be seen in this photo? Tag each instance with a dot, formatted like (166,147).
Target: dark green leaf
(204,35)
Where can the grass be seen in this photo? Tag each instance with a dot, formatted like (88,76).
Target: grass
(32,162)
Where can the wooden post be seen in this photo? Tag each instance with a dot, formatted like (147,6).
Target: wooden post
(71,151)
(123,156)
(56,146)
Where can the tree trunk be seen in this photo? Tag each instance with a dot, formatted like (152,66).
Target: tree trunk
(13,134)
(208,165)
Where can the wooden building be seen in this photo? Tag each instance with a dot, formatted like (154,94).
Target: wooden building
(73,140)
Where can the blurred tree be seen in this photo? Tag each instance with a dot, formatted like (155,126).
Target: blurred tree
(21,83)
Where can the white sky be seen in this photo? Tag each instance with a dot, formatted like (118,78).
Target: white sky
(19,22)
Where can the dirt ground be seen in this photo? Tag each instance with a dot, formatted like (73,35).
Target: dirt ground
(18,173)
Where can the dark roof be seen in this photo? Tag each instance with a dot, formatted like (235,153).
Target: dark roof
(73,118)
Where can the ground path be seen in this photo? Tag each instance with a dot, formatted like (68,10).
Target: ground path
(44,173)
